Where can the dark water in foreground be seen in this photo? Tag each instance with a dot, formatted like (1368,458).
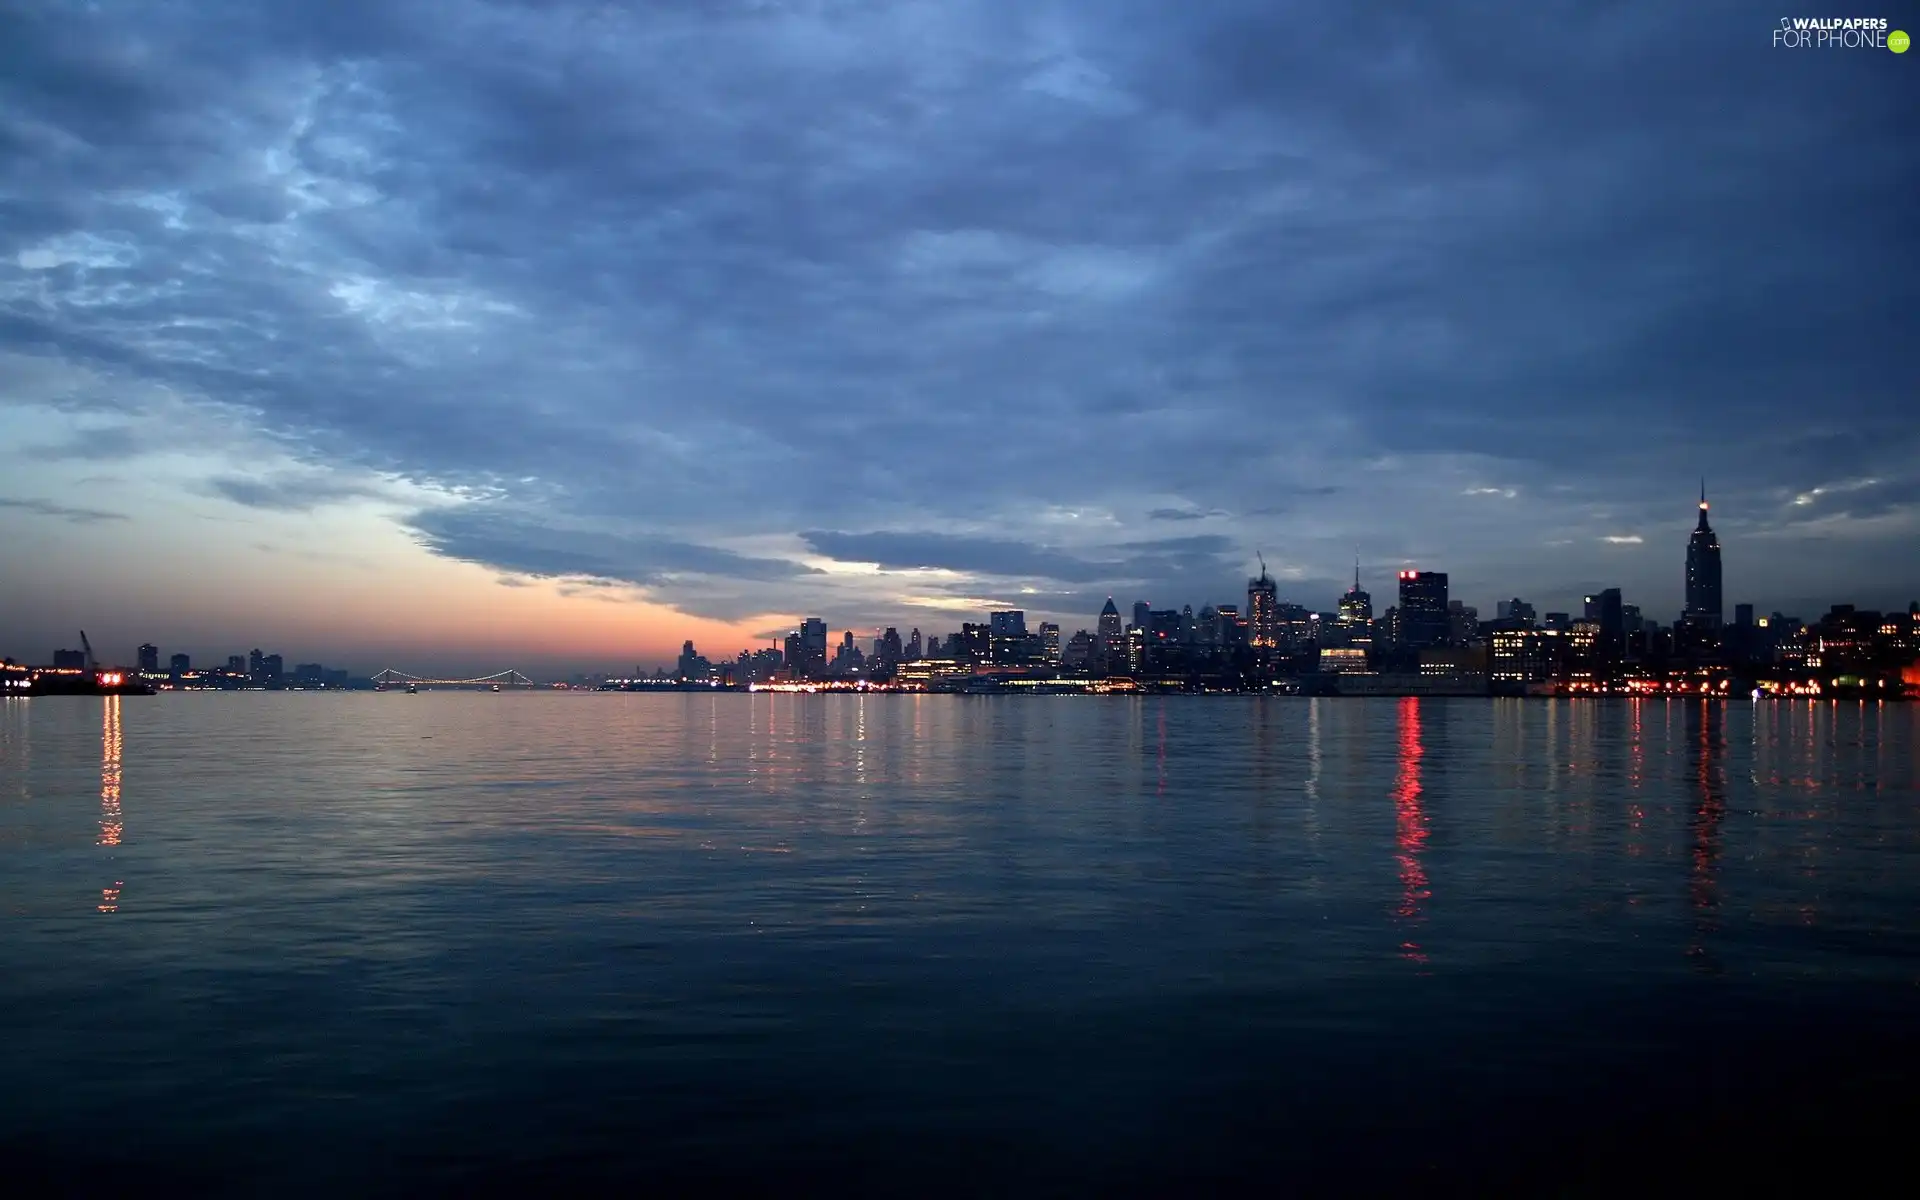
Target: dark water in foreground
(379,943)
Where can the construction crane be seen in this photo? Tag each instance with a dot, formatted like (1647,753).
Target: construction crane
(93,664)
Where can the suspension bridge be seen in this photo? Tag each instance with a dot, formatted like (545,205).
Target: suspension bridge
(505,679)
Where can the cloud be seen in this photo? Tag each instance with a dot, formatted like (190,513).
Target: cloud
(1184,514)
(1623,539)
(1231,263)
(46,508)
(290,493)
(523,544)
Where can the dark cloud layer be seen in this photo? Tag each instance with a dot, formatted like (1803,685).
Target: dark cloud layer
(1026,278)
(62,512)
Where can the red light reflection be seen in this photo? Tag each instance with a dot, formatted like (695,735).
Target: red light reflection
(1411,821)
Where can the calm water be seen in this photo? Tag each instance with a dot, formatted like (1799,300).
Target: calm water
(464,942)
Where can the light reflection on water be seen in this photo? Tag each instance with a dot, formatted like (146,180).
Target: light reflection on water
(911,911)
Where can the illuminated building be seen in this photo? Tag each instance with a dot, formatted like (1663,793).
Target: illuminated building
(1263,632)
(1142,613)
(913,646)
(1109,626)
(1423,609)
(1703,612)
(1523,656)
(1050,641)
(1342,660)
(1356,607)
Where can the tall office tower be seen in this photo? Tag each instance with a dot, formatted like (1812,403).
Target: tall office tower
(813,649)
(1356,607)
(913,651)
(1111,640)
(1423,609)
(150,657)
(256,663)
(236,664)
(1263,620)
(180,664)
(1011,623)
(1050,641)
(1142,613)
(1704,609)
(890,649)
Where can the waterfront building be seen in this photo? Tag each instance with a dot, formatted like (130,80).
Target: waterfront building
(149,656)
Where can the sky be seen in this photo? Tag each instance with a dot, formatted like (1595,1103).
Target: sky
(480,334)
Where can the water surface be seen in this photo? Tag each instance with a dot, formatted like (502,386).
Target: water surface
(311,942)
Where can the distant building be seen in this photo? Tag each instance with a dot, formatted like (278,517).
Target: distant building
(1463,623)
(1605,608)
(913,649)
(692,667)
(256,664)
(1423,609)
(236,664)
(1049,641)
(1704,610)
(1142,613)
(271,669)
(1516,610)
(180,664)
(1110,620)
(149,656)
(70,660)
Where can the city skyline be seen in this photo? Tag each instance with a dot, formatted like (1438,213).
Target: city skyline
(554,337)
(1429,615)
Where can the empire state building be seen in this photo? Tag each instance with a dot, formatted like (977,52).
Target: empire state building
(1704,609)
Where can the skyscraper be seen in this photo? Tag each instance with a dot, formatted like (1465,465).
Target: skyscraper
(1423,609)
(1142,614)
(149,657)
(1050,641)
(1263,601)
(1109,626)
(1704,610)
(813,650)
(1356,607)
